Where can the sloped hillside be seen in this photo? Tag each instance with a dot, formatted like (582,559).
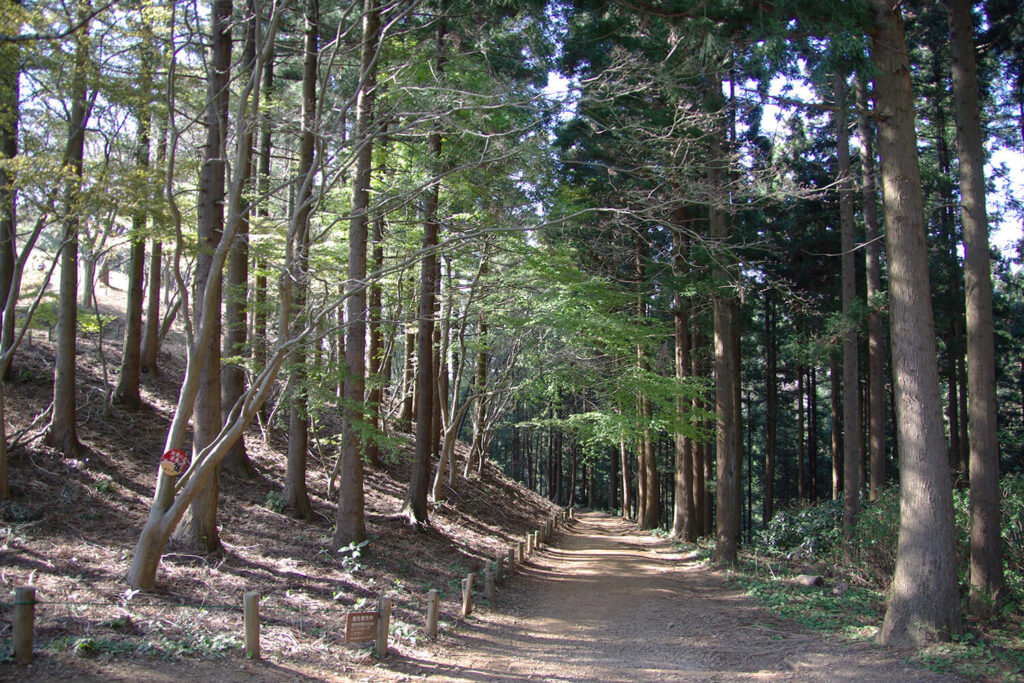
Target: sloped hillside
(72,525)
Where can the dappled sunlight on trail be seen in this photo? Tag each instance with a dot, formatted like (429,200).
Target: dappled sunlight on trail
(606,603)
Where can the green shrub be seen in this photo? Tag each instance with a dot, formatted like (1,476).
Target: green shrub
(803,532)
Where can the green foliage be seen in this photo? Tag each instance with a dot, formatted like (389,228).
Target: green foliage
(857,611)
(803,532)
(350,555)
(275,502)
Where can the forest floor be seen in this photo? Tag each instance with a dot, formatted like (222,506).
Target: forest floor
(603,602)
(608,603)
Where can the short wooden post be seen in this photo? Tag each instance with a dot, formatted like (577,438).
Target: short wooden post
(499,570)
(24,624)
(383,626)
(522,552)
(511,560)
(536,540)
(467,595)
(489,584)
(529,543)
(433,609)
(251,618)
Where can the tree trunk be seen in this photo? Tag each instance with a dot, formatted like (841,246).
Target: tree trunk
(374,357)
(873,270)
(771,408)
(924,601)
(837,439)
(812,434)
(235,308)
(729,494)
(852,434)
(295,494)
(801,492)
(649,499)
(627,494)
(10,70)
(62,433)
(127,391)
(987,581)
(350,522)
(198,528)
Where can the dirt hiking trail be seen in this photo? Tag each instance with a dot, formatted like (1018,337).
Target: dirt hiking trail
(606,603)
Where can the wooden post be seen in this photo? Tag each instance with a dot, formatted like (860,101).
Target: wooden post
(536,540)
(529,544)
(251,618)
(433,609)
(24,624)
(489,584)
(499,567)
(511,560)
(467,595)
(522,552)
(383,625)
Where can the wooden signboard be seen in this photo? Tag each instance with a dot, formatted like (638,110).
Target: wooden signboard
(361,626)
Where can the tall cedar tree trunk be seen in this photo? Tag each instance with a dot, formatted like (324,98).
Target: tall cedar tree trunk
(373,312)
(259,295)
(408,382)
(150,345)
(127,391)
(683,509)
(954,335)
(987,581)
(873,271)
(627,493)
(801,491)
(235,309)
(812,434)
(837,425)
(701,499)
(852,434)
(350,524)
(426,378)
(649,500)
(10,69)
(729,493)
(199,526)
(62,433)
(296,497)
(924,601)
(771,408)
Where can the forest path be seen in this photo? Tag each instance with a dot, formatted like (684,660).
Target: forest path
(606,603)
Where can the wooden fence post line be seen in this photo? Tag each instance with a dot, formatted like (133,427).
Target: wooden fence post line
(383,625)
(467,595)
(24,624)
(489,584)
(433,608)
(251,619)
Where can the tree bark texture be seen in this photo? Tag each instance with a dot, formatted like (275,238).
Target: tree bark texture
(62,433)
(852,434)
(987,580)
(235,308)
(199,526)
(924,601)
(296,495)
(350,526)
(873,275)
(127,391)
